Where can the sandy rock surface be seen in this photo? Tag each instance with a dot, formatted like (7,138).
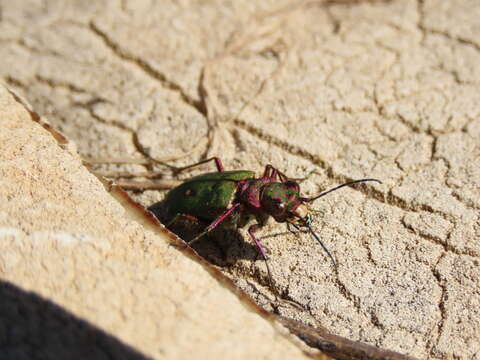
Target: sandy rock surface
(82,277)
(350,89)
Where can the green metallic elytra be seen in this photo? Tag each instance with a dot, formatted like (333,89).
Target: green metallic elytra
(205,196)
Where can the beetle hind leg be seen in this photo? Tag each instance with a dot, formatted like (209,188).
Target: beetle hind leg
(218,164)
(154,179)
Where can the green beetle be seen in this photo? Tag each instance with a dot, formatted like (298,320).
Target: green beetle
(216,196)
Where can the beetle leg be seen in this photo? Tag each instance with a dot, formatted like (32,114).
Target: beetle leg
(277,173)
(266,172)
(251,230)
(298,228)
(289,224)
(146,184)
(215,222)
(302,179)
(218,164)
(173,221)
(181,215)
(272,174)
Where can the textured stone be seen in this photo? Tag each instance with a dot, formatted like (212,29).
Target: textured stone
(350,89)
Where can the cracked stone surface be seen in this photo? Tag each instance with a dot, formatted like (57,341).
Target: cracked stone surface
(350,89)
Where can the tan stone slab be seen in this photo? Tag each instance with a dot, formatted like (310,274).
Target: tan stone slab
(80,278)
(386,89)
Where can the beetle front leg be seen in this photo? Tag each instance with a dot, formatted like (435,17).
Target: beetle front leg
(251,230)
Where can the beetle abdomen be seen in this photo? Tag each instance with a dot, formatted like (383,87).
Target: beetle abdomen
(205,196)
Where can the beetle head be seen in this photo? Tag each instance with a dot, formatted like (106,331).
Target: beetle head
(282,200)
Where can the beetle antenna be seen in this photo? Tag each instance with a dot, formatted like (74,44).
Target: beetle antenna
(336,188)
(307,224)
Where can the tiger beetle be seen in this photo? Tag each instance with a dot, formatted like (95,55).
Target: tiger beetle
(216,196)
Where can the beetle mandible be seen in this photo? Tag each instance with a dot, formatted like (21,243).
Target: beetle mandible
(218,195)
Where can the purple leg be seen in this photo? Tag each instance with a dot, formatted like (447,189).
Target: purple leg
(218,164)
(271,173)
(268,173)
(216,222)
(251,230)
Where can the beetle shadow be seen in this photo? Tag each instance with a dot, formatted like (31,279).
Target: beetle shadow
(225,246)
(33,327)
(221,247)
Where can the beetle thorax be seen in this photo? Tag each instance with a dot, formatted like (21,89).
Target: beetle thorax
(281,200)
(250,191)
